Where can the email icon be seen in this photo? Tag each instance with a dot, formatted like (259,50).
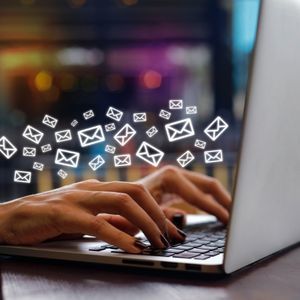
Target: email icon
(110,127)
(191,110)
(152,131)
(91,136)
(139,117)
(38,166)
(63,136)
(175,104)
(7,148)
(29,152)
(215,128)
(50,121)
(32,134)
(110,149)
(164,114)
(74,123)
(46,148)
(185,159)
(213,156)
(150,154)
(22,176)
(88,114)
(179,130)
(97,162)
(200,144)
(114,114)
(123,160)
(63,174)
(67,158)
(124,135)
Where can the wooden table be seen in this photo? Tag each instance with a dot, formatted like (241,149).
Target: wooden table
(276,278)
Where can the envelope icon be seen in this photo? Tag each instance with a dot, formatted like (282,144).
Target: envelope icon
(61,173)
(46,148)
(139,117)
(67,158)
(152,131)
(110,149)
(114,114)
(7,148)
(191,110)
(110,127)
(91,136)
(22,176)
(150,154)
(123,160)
(88,114)
(175,104)
(63,136)
(96,163)
(50,121)
(185,159)
(165,114)
(29,152)
(38,166)
(215,128)
(32,134)
(213,156)
(200,144)
(179,130)
(124,135)
(74,123)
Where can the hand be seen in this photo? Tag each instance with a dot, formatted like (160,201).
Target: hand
(197,189)
(103,210)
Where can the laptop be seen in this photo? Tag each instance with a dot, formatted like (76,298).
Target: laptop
(265,211)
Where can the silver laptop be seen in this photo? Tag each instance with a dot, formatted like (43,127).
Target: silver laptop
(265,213)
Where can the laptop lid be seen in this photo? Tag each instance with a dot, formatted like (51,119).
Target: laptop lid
(265,214)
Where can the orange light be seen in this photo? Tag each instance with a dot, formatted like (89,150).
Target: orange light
(129,2)
(151,79)
(77,3)
(43,81)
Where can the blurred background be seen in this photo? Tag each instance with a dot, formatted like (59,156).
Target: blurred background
(64,57)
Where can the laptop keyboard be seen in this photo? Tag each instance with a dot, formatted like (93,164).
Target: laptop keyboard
(199,244)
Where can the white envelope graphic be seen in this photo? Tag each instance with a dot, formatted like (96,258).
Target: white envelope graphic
(110,127)
(215,128)
(110,149)
(7,148)
(63,136)
(50,121)
(96,163)
(139,117)
(124,135)
(91,136)
(46,148)
(67,158)
(22,176)
(61,173)
(213,156)
(123,160)
(176,104)
(152,131)
(29,152)
(179,130)
(150,154)
(32,134)
(114,114)
(38,166)
(88,114)
(191,110)
(200,144)
(185,159)
(165,114)
(74,123)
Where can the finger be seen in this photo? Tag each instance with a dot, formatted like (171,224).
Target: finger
(176,234)
(211,186)
(121,223)
(170,212)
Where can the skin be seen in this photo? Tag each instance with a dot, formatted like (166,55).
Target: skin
(112,211)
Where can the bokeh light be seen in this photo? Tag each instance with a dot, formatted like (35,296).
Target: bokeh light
(151,79)
(43,81)
(129,2)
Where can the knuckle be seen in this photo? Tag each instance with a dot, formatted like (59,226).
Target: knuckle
(213,184)
(170,170)
(139,187)
(124,201)
(97,224)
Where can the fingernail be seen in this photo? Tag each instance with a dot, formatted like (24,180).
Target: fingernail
(164,241)
(178,220)
(183,234)
(140,245)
